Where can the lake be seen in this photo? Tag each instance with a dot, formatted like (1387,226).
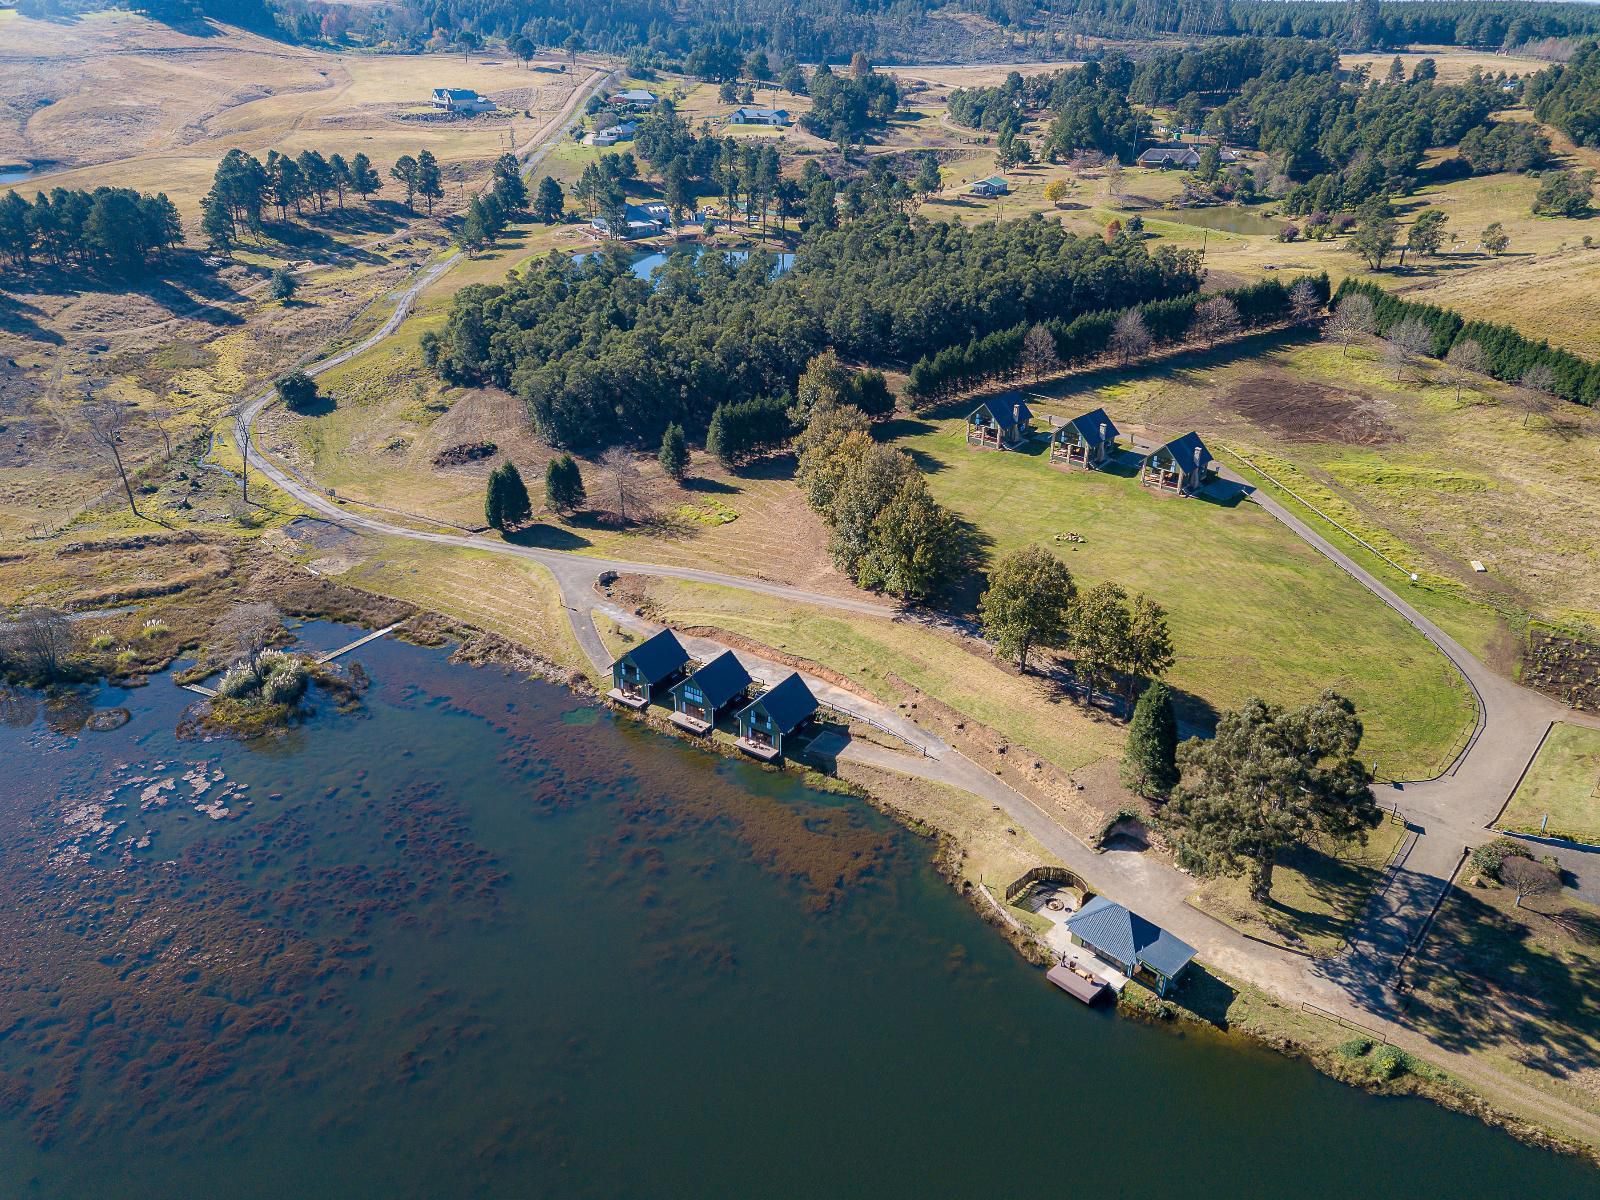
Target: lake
(482,939)
(1226,218)
(646,264)
(22,172)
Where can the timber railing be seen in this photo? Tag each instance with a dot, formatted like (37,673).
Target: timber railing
(1307,1006)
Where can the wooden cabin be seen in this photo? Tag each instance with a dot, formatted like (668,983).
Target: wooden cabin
(697,699)
(1139,948)
(772,717)
(997,426)
(1182,466)
(655,661)
(1086,441)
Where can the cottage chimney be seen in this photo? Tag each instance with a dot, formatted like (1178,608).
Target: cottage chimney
(1016,414)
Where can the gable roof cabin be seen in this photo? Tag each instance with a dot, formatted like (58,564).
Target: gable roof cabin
(1128,941)
(636,674)
(995,185)
(774,715)
(1086,441)
(697,699)
(1181,466)
(460,100)
(758,116)
(999,425)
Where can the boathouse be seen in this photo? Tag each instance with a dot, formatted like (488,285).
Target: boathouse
(773,716)
(1085,441)
(995,425)
(1139,948)
(697,699)
(1182,466)
(653,662)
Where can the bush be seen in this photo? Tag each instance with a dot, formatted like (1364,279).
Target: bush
(1391,1062)
(1356,1048)
(237,683)
(283,677)
(1488,858)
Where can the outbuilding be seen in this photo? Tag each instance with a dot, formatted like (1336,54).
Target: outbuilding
(1085,441)
(655,661)
(989,188)
(1182,466)
(777,117)
(1141,949)
(698,699)
(995,425)
(773,716)
(636,98)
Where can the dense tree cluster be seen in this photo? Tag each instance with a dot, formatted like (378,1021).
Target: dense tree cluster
(1568,95)
(1505,354)
(689,166)
(885,530)
(490,210)
(601,356)
(109,229)
(1002,354)
(843,107)
(243,188)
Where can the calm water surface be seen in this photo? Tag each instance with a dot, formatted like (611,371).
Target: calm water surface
(482,940)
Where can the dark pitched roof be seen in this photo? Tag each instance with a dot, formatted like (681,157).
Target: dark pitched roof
(721,679)
(1129,938)
(658,657)
(1088,427)
(994,411)
(788,702)
(1182,450)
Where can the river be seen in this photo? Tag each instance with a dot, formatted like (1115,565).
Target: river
(482,939)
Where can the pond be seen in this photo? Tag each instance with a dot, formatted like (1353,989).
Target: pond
(647,263)
(22,172)
(1226,218)
(484,939)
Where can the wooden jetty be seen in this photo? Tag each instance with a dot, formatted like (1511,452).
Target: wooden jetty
(1076,981)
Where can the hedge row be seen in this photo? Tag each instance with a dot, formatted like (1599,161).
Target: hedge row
(1507,353)
(999,356)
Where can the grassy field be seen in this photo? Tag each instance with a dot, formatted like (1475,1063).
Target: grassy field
(1253,610)
(1563,784)
(1317,893)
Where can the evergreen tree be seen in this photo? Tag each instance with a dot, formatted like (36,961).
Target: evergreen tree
(509,188)
(298,391)
(550,202)
(674,455)
(430,184)
(404,172)
(563,484)
(1028,602)
(364,178)
(1150,759)
(284,285)
(506,504)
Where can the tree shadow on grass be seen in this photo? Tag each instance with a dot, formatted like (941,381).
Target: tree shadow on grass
(708,487)
(1519,982)
(547,537)
(1205,995)
(20,318)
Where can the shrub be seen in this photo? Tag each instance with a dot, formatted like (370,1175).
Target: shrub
(102,641)
(1390,1062)
(237,683)
(283,678)
(1488,858)
(1356,1048)
(155,628)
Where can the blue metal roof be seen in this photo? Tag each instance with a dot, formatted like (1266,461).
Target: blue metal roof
(657,657)
(1014,412)
(788,703)
(1182,451)
(721,679)
(1088,427)
(1128,938)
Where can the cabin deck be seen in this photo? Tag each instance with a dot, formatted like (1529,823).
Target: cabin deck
(628,700)
(759,750)
(690,723)
(1077,982)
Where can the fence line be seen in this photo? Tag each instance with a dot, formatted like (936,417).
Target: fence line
(1309,1007)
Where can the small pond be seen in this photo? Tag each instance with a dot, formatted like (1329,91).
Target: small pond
(22,172)
(647,263)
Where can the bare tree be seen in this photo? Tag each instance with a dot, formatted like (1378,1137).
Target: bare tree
(1216,319)
(39,639)
(105,423)
(1537,392)
(242,436)
(1114,177)
(1352,318)
(622,473)
(1407,344)
(1039,355)
(1464,363)
(246,631)
(1528,878)
(1304,301)
(1130,339)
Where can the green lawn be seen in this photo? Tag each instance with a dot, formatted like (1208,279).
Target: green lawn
(1253,610)
(1564,784)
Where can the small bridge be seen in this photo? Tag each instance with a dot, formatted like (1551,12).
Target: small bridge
(360,641)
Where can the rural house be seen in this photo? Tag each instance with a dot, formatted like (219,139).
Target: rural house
(654,661)
(460,100)
(771,717)
(996,425)
(989,188)
(759,116)
(1183,465)
(636,98)
(1181,154)
(641,220)
(1140,949)
(697,699)
(612,134)
(1085,441)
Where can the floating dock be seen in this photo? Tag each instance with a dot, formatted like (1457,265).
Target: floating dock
(1077,982)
